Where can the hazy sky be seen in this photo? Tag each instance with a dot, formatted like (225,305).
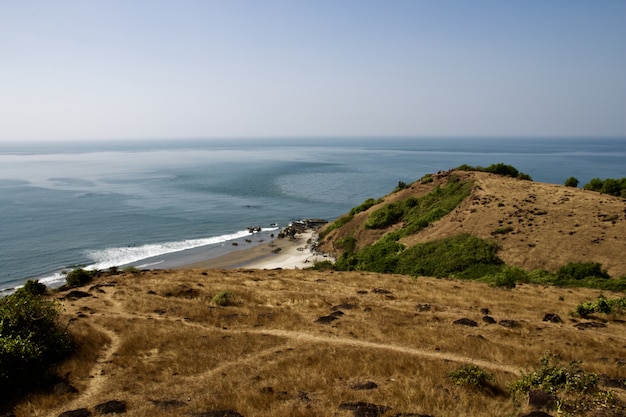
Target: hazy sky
(117,69)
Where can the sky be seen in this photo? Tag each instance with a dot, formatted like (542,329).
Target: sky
(144,69)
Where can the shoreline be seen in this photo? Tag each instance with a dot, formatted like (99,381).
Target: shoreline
(279,253)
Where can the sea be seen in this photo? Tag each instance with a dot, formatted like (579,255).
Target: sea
(159,204)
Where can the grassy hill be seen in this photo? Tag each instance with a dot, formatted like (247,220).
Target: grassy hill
(243,342)
(533,226)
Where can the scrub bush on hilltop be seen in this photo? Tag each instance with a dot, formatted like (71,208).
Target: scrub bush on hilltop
(611,186)
(31,340)
(498,169)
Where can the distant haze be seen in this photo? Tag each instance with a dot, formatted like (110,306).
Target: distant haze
(118,69)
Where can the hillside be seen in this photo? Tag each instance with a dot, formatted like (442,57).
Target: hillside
(543,226)
(308,343)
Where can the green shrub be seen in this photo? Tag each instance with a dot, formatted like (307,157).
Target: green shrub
(554,378)
(324,265)
(34,287)
(571,182)
(508,277)
(498,169)
(601,305)
(78,277)
(364,206)
(616,187)
(472,376)
(131,270)
(347,244)
(463,256)
(31,341)
(427,179)
(581,270)
(224,298)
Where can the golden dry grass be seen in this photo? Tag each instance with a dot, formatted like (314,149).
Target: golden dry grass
(157,336)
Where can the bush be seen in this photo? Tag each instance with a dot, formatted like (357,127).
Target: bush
(509,277)
(31,340)
(34,287)
(78,277)
(472,376)
(579,271)
(498,169)
(571,182)
(616,187)
(601,305)
(462,256)
(555,378)
(224,298)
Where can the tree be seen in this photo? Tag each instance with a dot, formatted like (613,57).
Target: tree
(571,182)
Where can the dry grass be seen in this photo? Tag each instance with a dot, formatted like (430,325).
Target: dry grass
(158,336)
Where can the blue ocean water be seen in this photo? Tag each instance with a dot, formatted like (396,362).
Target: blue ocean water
(166,203)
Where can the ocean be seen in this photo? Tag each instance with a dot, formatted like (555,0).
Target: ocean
(162,204)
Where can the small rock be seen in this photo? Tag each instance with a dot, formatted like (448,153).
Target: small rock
(508,323)
(538,398)
(553,318)
(589,325)
(326,319)
(217,413)
(364,386)
(484,311)
(64,388)
(423,307)
(168,404)
(381,291)
(81,412)
(345,306)
(465,322)
(111,407)
(337,313)
(362,409)
(536,414)
(489,320)
(75,295)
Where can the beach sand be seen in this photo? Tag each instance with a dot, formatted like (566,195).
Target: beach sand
(283,253)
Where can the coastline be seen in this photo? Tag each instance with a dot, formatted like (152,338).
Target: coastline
(280,253)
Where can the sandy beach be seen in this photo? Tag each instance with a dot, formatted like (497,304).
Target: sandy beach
(283,253)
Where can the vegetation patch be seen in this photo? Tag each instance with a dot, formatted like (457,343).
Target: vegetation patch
(611,186)
(601,305)
(473,377)
(462,256)
(224,298)
(418,213)
(31,339)
(498,169)
(574,389)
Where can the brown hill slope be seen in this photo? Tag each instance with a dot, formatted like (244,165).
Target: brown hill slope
(550,225)
(157,343)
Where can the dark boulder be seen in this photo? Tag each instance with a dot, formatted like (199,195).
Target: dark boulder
(111,407)
(508,323)
(553,318)
(364,386)
(81,412)
(362,409)
(489,320)
(217,413)
(465,322)
(326,319)
(168,404)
